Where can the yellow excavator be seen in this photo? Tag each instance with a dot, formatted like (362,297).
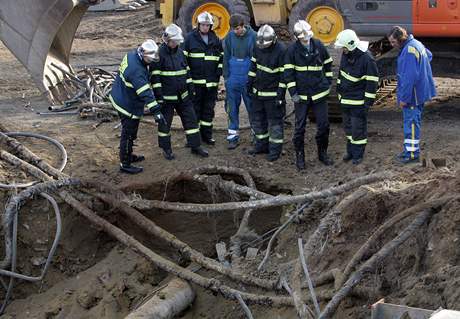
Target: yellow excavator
(40,35)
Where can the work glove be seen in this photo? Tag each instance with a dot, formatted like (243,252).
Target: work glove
(158,117)
(295,98)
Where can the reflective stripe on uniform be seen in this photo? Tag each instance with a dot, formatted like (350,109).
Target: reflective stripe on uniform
(262,93)
(276,140)
(184,95)
(143,88)
(128,84)
(152,104)
(253,59)
(282,85)
(352,102)
(371,78)
(219,65)
(156,85)
(211,84)
(370,95)
(410,141)
(199,81)
(122,110)
(320,95)
(196,55)
(359,142)
(211,58)
(173,73)
(350,138)
(161,134)
(349,77)
(170,97)
(290,85)
(328,61)
(308,68)
(204,123)
(155,72)
(411,148)
(262,136)
(192,131)
(338,81)
(268,70)
(189,80)
(329,74)
(288,66)
(185,52)
(250,73)
(304,97)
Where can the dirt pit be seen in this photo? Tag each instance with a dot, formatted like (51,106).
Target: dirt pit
(91,275)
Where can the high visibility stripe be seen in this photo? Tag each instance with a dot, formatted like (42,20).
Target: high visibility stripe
(352,102)
(359,142)
(161,134)
(282,85)
(268,70)
(411,141)
(250,73)
(188,68)
(211,58)
(189,80)
(339,96)
(185,52)
(349,77)
(152,104)
(199,81)
(370,95)
(156,85)
(276,140)
(155,72)
(143,88)
(253,59)
(219,65)
(192,131)
(261,93)
(122,110)
(308,68)
(212,84)
(338,81)
(128,84)
(328,61)
(371,78)
(350,138)
(290,85)
(204,123)
(320,95)
(173,73)
(329,74)
(413,148)
(170,97)
(184,95)
(197,55)
(304,97)
(262,136)
(288,66)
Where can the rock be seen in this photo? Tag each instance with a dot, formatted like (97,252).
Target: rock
(251,253)
(38,261)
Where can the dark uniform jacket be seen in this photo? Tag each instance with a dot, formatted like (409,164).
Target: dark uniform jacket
(204,60)
(170,77)
(307,71)
(358,80)
(131,89)
(266,80)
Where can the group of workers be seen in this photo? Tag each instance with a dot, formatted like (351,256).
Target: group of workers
(183,75)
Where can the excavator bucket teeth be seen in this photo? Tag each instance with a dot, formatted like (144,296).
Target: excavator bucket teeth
(40,35)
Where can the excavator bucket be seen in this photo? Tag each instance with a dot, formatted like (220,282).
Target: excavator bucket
(40,35)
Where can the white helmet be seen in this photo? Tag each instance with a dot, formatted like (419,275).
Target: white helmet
(302,30)
(266,36)
(173,33)
(205,18)
(149,50)
(348,39)
(445,314)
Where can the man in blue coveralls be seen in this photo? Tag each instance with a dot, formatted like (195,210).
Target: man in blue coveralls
(238,48)
(415,87)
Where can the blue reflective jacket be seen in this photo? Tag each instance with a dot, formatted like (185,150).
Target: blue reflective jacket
(131,90)
(415,79)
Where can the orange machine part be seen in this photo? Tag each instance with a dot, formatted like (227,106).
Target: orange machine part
(436,18)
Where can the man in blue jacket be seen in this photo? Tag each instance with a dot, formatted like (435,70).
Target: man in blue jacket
(238,49)
(131,91)
(415,87)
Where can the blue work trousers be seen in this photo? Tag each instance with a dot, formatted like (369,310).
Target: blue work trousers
(412,119)
(235,86)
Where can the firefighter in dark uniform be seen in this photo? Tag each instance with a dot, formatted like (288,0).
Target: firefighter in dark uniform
(131,92)
(173,88)
(357,85)
(308,76)
(268,90)
(203,50)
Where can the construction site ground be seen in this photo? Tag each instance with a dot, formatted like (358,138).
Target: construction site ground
(92,276)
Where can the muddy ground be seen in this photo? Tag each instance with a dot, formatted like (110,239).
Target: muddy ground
(92,276)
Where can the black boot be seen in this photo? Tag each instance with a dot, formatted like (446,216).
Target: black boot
(323,157)
(209,141)
(200,151)
(300,160)
(272,157)
(168,154)
(130,169)
(137,158)
(348,156)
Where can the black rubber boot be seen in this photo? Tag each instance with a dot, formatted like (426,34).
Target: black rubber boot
(272,157)
(200,151)
(137,158)
(130,169)
(322,154)
(168,154)
(300,160)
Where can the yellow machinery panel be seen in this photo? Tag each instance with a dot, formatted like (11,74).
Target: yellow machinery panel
(269,11)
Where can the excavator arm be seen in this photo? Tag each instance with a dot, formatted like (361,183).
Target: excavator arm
(40,35)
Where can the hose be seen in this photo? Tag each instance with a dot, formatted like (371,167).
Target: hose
(12,274)
(41,137)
